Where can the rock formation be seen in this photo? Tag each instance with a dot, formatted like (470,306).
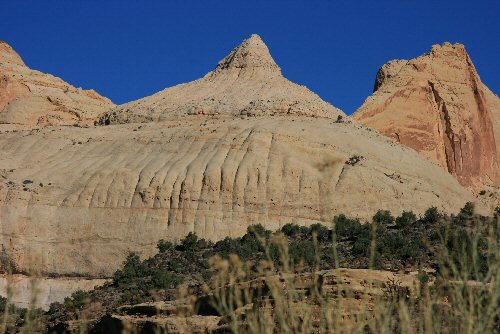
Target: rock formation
(360,287)
(246,83)
(241,146)
(30,98)
(438,105)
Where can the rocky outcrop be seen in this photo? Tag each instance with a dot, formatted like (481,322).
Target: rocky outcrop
(31,99)
(246,83)
(42,291)
(437,105)
(77,200)
(360,290)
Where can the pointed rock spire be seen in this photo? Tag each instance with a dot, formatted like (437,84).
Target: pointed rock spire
(9,55)
(247,83)
(252,54)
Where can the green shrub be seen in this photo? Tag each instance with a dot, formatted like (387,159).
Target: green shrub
(3,304)
(245,247)
(164,246)
(189,243)
(467,252)
(258,231)
(133,296)
(431,216)
(227,246)
(322,233)
(133,268)
(164,279)
(304,231)
(383,217)
(345,227)
(468,210)
(406,219)
(362,243)
(290,230)
(390,244)
(77,300)
(302,250)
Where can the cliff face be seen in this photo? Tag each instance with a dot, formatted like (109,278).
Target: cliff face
(30,98)
(241,146)
(437,105)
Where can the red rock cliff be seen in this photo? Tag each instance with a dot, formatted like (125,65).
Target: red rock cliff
(438,105)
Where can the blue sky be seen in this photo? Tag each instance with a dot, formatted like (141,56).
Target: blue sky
(130,49)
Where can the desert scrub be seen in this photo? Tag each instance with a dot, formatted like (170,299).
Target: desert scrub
(461,294)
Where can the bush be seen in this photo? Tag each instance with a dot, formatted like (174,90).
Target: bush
(77,300)
(189,243)
(390,244)
(468,210)
(164,279)
(132,296)
(164,246)
(468,252)
(383,217)
(227,246)
(363,241)
(302,250)
(3,304)
(246,247)
(133,268)
(431,216)
(304,231)
(258,231)
(322,233)
(406,219)
(290,230)
(345,227)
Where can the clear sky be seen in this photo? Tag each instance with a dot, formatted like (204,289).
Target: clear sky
(130,49)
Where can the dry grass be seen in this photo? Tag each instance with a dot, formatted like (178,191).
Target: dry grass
(462,298)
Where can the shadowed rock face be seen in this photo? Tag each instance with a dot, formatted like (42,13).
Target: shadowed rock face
(30,98)
(77,200)
(437,105)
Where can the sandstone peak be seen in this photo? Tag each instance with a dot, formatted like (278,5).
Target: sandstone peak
(252,54)
(438,105)
(9,55)
(246,83)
